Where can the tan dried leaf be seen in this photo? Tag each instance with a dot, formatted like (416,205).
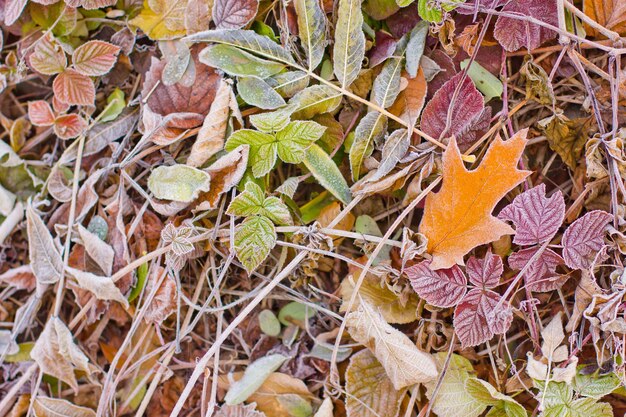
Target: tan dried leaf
(54,407)
(404,362)
(57,355)
(102,287)
(45,259)
(164,301)
(101,252)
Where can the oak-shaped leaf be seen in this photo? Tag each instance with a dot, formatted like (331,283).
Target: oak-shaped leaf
(516,32)
(584,238)
(254,239)
(95,58)
(55,407)
(48,57)
(252,201)
(57,355)
(481,314)
(463,116)
(470,197)
(234,14)
(541,275)
(536,217)
(370,391)
(404,363)
(441,288)
(485,272)
(73,88)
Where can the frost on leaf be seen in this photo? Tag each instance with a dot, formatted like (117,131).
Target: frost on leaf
(40,113)
(480,315)
(234,14)
(466,117)
(164,301)
(515,33)
(73,88)
(370,391)
(442,288)
(469,198)
(584,238)
(541,275)
(485,272)
(95,58)
(57,355)
(536,217)
(254,239)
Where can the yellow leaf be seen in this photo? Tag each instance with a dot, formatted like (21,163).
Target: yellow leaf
(162,19)
(458,218)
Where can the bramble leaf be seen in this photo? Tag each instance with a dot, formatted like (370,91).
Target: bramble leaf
(254,239)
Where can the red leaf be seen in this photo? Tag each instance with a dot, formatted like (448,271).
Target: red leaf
(441,288)
(21,278)
(74,88)
(514,33)
(541,275)
(69,126)
(95,58)
(486,272)
(401,22)
(465,113)
(90,4)
(536,217)
(40,113)
(234,14)
(584,238)
(383,49)
(478,317)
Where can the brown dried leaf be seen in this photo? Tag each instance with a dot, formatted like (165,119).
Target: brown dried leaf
(164,302)
(45,259)
(21,278)
(54,407)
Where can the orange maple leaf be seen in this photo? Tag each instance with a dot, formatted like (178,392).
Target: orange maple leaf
(458,217)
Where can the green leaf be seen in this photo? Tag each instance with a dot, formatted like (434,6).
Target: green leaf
(312,30)
(371,128)
(256,373)
(247,40)
(415,47)
(583,407)
(502,404)
(178,182)
(237,62)
(289,83)
(258,93)
(486,82)
(452,399)
(115,106)
(252,201)
(295,313)
(268,323)
(326,173)
(295,138)
(263,152)
(271,122)
(595,386)
(314,100)
(254,239)
(349,48)
(387,84)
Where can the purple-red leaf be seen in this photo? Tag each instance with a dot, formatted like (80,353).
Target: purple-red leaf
(584,238)
(40,113)
(69,126)
(95,58)
(234,14)
(48,57)
(514,33)
(383,49)
(478,317)
(74,88)
(466,112)
(441,288)
(536,217)
(90,4)
(485,272)
(541,275)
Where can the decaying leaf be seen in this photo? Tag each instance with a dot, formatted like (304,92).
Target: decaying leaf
(56,353)
(179,182)
(568,137)
(54,407)
(471,197)
(404,363)
(45,259)
(370,392)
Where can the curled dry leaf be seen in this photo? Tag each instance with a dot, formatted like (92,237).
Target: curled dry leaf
(45,259)
(54,407)
(102,287)
(471,197)
(101,252)
(57,355)
(21,278)
(164,301)
(404,363)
